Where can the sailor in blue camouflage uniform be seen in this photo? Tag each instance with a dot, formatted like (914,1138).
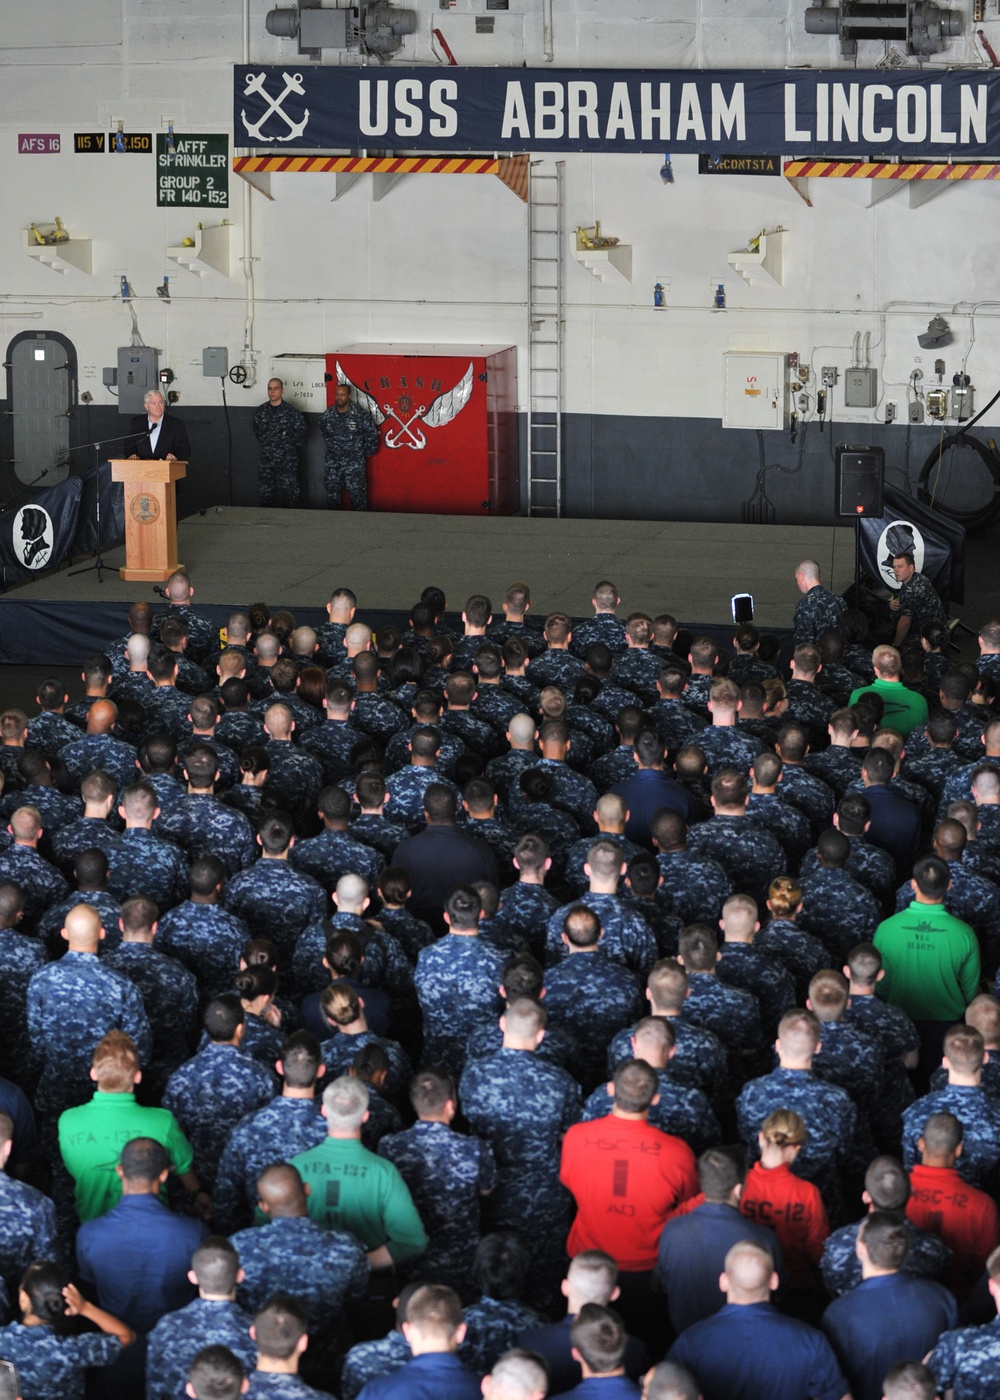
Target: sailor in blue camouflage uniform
(965,1361)
(323,1268)
(499,1315)
(73,1003)
(91,888)
(610,814)
(798,786)
(604,626)
(693,887)
(50,729)
(448,1173)
(50,1363)
(99,751)
(573,793)
(203,635)
(681,1110)
(27,1219)
(280,429)
(40,883)
(284,1127)
(385,962)
(425,712)
(457,981)
(56,809)
(335,851)
(730,1013)
(213,1319)
(818,610)
(627,938)
(847,1056)
(750,856)
(699,1058)
(976,1110)
(169,991)
(211,1092)
(835,1151)
(522,1106)
(341,1046)
(741,964)
(800,953)
(201,934)
(141,861)
(836,907)
(887,1188)
(167,707)
(201,824)
(350,438)
(274,899)
(766,806)
(589,994)
(20,959)
(895,1033)
(523,976)
(369,1361)
(87,832)
(406,788)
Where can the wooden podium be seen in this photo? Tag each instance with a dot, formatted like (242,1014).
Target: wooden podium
(150,517)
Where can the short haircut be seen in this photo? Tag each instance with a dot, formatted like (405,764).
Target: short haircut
(275,833)
(799,1032)
(279,1327)
(887,660)
(599,1335)
(439,803)
(345,1102)
(605,859)
(593,1276)
(908,1380)
(828,993)
(933,877)
(698,947)
(668,984)
(518,1373)
(215,1374)
(435,1311)
(983,1012)
(793,741)
(964,1048)
(582,926)
(430,1090)
(942,1134)
(729,788)
(854,812)
(300,1060)
(201,764)
(216,1264)
(636,1085)
(668,1381)
(886,1238)
(206,874)
(720,1171)
(833,848)
(887,1183)
(523,975)
(877,766)
(223,1015)
(865,963)
(648,748)
(767,768)
(531,852)
(144,1159)
(525,1017)
(115,1062)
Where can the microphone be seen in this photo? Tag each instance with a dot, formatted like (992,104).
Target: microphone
(162,592)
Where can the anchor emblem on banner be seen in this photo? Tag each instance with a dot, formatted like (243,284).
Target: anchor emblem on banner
(256,83)
(441,411)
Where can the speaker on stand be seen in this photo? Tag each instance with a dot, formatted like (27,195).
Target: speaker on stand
(859,489)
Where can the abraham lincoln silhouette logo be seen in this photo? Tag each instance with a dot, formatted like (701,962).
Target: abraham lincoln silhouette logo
(33,536)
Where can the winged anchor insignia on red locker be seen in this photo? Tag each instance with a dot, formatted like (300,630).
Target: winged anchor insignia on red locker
(401,417)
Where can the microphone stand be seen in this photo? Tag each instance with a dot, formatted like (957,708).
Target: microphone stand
(98,563)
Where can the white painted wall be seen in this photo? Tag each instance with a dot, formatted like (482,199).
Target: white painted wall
(443,258)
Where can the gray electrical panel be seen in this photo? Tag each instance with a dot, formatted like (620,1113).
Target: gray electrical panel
(860,388)
(214,361)
(137,374)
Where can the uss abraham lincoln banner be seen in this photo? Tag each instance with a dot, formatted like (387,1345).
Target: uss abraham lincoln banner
(799,113)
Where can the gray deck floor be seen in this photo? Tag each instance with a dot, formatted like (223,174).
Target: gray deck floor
(295,558)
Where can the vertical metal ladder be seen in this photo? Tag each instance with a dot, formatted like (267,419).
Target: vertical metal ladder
(545,331)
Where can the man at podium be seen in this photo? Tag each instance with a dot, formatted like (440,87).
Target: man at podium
(155,434)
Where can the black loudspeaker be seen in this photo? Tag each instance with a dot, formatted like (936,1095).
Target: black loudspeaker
(860,481)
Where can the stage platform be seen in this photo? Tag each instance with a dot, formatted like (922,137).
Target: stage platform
(293,559)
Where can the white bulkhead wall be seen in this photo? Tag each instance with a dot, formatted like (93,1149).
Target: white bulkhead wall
(443,258)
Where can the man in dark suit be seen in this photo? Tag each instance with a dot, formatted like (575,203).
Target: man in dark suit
(155,435)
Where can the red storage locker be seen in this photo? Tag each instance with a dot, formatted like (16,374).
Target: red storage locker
(447,421)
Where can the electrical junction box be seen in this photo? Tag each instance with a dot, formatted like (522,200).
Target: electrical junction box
(322,29)
(756,390)
(214,361)
(305,380)
(137,371)
(860,388)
